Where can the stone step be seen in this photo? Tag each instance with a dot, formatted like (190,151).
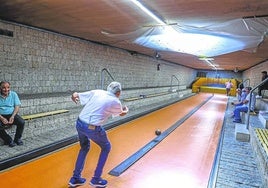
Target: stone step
(241,132)
(263,117)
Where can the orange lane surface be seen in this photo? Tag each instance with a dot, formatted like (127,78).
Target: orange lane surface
(183,159)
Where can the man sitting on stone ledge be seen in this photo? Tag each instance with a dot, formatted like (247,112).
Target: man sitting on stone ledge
(241,96)
(9,107)
(245,106)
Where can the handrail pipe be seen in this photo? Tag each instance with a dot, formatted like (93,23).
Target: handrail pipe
(173,76)
(249,105)
(102,76)
(244,82)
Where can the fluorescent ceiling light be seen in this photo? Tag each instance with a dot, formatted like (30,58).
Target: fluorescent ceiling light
(210,64)
(147,11)
(206,58)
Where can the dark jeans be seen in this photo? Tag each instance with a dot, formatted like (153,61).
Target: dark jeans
(237,111)
(19,122)
(98,136)
(260,89)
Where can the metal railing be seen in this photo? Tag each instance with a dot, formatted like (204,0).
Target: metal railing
(244,81)
(250,101)
(171,83)
(102,76)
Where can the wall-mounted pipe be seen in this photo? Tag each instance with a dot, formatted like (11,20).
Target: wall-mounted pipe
(102,76)
(171,84)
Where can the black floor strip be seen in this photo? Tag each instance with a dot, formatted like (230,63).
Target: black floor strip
(122,167)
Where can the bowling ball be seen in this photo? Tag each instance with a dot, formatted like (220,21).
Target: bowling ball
(157,132)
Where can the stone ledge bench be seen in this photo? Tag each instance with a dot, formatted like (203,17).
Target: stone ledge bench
(244,116)
(34,123)
(145,96)
(44,114)
(241,131)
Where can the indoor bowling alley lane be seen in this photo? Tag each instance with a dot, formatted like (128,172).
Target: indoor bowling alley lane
(184,158)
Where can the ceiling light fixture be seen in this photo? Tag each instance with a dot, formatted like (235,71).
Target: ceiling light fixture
(147,11)
(210,64)
(206,58)
(105,32)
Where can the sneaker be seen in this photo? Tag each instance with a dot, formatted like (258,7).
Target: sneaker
(258,97)
(10,144)
(18,142)
(77,181)
(98,182)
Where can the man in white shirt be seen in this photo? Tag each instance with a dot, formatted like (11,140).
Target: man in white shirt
(99,105)
(245,106)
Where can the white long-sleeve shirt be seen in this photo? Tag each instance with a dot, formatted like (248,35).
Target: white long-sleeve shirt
(253,101)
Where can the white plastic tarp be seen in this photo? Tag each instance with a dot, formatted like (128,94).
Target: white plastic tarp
(209,41)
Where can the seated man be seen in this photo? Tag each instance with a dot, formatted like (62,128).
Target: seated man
(245,106)
(9,107)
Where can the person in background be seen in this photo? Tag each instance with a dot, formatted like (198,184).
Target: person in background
(99,105)
(9,108)
(263,86)
(228,86)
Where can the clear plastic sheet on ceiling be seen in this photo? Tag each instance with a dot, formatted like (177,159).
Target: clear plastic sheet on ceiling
(210,41)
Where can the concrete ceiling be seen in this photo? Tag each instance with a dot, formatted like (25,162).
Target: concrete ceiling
(88,19)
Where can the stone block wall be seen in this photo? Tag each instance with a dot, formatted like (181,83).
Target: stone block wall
(39,61)
(254,74)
